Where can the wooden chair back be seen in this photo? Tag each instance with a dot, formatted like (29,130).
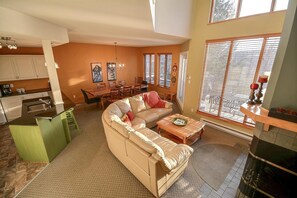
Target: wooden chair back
(112,84)
(122,82)
(137,89)
(101,86)
(114,95)
(127,90)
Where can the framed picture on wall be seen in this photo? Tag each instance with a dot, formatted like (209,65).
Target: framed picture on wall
(111,71)
(96,72)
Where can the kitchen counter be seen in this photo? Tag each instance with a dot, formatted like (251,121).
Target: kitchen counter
(41,134)
(30,118)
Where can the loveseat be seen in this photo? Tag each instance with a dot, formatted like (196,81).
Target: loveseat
(155,161)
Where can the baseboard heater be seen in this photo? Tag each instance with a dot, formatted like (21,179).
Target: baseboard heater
(227,129)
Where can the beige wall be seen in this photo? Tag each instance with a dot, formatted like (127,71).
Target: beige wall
(202,31)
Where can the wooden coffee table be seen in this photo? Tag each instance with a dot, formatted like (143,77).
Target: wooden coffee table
(189,133)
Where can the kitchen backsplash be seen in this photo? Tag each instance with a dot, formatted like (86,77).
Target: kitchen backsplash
(28,84)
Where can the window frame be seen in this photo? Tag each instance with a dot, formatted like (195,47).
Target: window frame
(239,4)
(165,69)
(150,67)
(258,67)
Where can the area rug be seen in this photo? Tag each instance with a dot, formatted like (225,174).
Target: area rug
(213,162)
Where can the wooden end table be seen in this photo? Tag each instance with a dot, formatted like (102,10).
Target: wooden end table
(189,133)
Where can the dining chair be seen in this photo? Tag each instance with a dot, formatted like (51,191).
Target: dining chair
(90,100)
(137,89)
(114,95)
(112,84)
(101,86)
(122,82)
(126,91)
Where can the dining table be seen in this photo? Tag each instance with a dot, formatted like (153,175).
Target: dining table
(99,93)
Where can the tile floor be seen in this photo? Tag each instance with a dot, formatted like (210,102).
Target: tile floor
(229,187)
(15,174)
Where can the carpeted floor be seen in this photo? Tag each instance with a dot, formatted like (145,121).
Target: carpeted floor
(86,168)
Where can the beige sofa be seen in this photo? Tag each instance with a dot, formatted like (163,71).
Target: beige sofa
(155,161)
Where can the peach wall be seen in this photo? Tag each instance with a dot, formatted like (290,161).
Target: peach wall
(174,49)
(74,60)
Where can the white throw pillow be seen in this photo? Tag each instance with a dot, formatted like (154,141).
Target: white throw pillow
(137,104)
(124,105)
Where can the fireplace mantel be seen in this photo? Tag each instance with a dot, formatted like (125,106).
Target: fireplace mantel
(260,114)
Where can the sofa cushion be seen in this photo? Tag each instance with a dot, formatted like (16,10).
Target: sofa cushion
(137,104)
(162,112)
(138,123)
(124,105)
(152,135)
(147,116)
(143,142)
(122,128)
(112,112)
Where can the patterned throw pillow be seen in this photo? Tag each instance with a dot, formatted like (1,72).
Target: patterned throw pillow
(126,120)
(131,116)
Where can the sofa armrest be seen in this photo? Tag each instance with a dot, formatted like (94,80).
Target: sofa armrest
(176,157)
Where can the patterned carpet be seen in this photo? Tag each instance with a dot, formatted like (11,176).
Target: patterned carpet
(86,168)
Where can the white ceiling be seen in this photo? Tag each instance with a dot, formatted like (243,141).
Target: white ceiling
(128,22)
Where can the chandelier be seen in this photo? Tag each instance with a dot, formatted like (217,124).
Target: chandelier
(11,44)
(120,65)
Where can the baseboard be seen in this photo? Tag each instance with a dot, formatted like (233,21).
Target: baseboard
(226,129)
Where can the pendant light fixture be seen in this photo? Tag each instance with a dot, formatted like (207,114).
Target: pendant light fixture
(118,64)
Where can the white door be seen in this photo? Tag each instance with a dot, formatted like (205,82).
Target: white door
(182,79)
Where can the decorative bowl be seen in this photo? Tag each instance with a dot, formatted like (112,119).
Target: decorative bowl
(179,121)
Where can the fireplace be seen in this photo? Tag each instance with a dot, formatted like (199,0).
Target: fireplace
(270,171)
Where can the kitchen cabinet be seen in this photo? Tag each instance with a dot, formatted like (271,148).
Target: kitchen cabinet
(20,67)
(39,64)
(24,67)
(12,105)
(7,70)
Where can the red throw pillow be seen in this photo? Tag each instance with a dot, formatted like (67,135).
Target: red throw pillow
(160,104)
(151,98)
(126,119)
(130,115)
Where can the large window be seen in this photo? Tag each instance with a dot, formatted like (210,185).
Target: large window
(149,68)
(230,67)
(230,9)
(165,70)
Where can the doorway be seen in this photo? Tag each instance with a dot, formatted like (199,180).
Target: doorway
(182,79)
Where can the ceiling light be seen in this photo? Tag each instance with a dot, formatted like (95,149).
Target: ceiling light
(120,65)
(11,44)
